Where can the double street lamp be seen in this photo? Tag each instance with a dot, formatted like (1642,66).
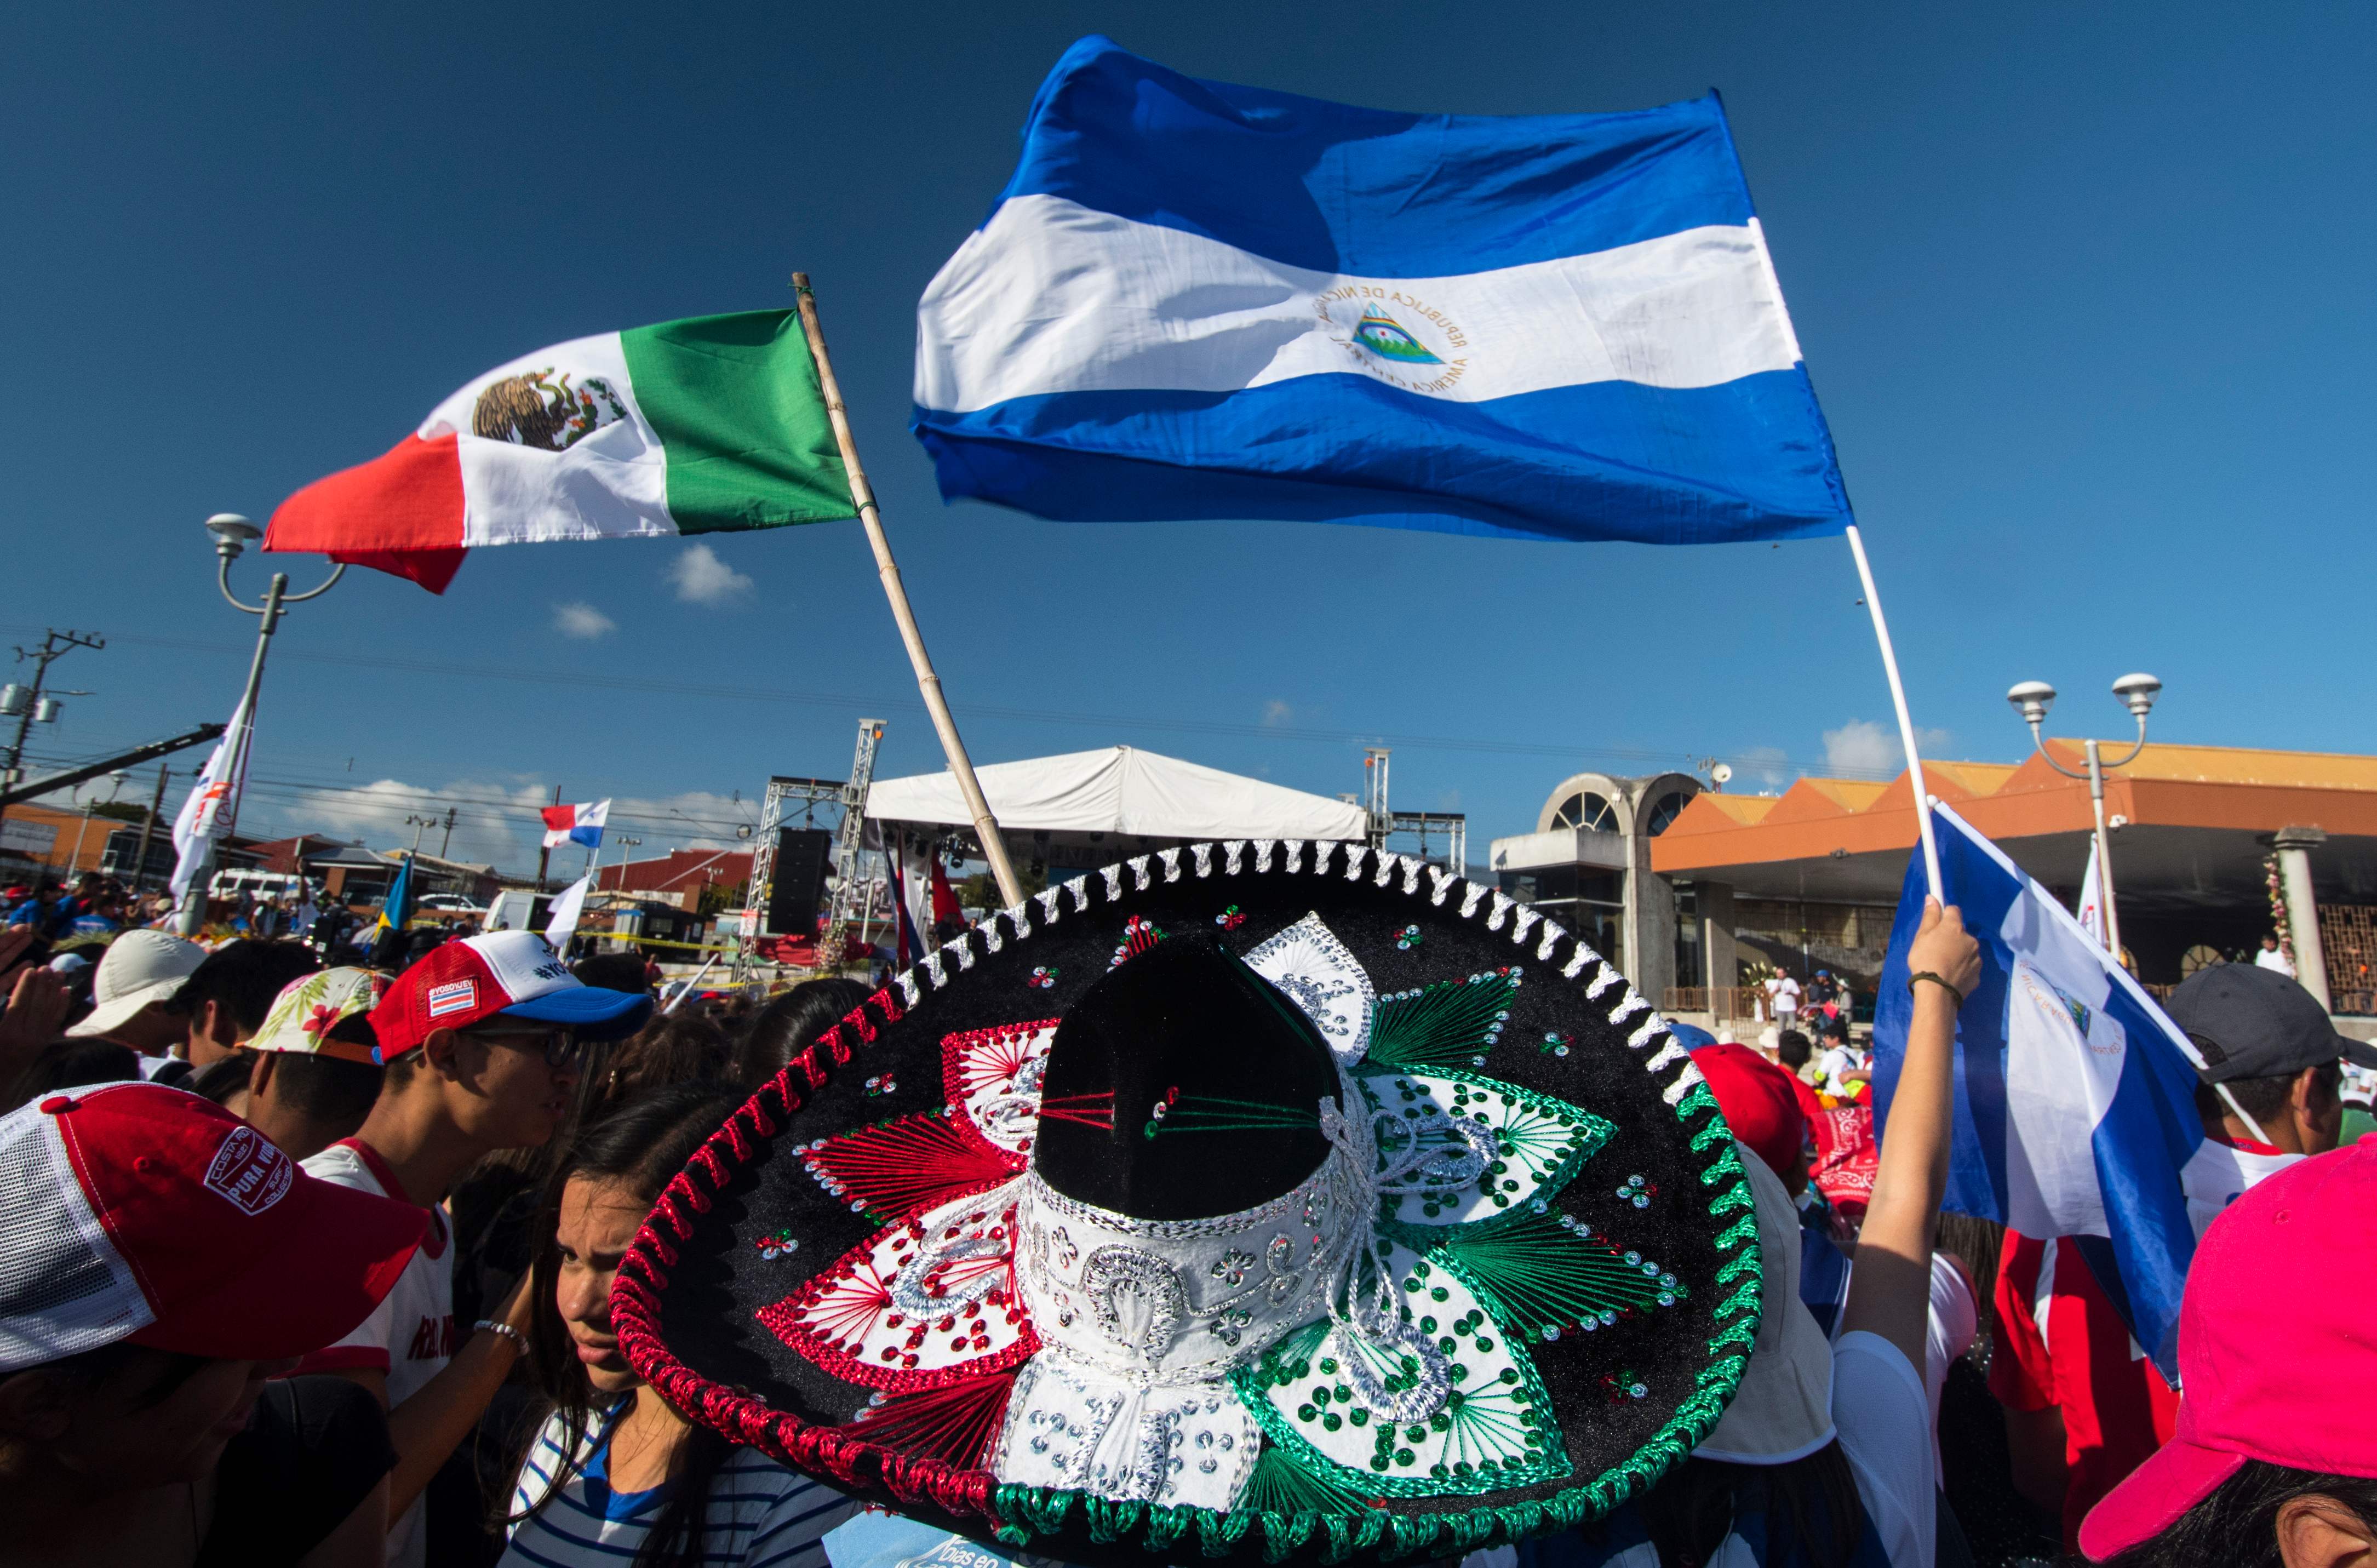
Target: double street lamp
(2032,698)
(233,535)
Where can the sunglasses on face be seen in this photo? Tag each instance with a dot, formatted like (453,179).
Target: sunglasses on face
(560,1048)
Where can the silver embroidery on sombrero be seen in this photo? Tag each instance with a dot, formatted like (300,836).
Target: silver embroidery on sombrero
(924,1302)
(1311,965)
(1068,1426)
(1477,1147)
(995,1075)
(1492,1429)
(1181,1301)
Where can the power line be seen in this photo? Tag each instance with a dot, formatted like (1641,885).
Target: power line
(1679,760)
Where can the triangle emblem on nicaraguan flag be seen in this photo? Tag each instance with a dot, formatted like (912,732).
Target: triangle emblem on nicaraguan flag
(709,424)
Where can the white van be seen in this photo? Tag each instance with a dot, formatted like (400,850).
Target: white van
(519,909)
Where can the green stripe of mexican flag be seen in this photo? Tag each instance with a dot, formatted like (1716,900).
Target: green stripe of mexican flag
(695,426)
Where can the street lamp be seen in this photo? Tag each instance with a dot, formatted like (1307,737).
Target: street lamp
(233,535)
(2032,698)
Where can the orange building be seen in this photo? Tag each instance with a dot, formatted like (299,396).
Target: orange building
(1810,877)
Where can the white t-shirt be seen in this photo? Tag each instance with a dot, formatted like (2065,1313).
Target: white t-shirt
(410,1335)
(759,1514)
(1953,1324)
(1785,992)
(2216,1175)
(2274,958)
(1833,1064)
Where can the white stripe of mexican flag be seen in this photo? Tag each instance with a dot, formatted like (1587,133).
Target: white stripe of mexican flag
(694,427)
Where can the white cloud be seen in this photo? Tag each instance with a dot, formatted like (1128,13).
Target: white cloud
(583,621)
(1276,712)
(1863,747)
(702,579)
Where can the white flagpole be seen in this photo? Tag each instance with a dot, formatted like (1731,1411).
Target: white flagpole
(1905,724)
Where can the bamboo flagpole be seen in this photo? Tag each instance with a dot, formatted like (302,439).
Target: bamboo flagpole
(1905,724)
(986,826)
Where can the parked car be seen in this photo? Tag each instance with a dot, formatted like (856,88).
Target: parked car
(449,904)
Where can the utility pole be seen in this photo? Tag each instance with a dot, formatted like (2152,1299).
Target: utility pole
(28,705)
(544,851)
(147,832)
(447,837)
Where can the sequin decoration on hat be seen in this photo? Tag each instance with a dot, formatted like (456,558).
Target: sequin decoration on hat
(1254,1223)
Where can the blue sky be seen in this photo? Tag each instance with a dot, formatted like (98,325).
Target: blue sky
(2083,292)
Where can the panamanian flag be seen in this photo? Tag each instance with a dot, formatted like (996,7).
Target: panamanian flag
(575,824)
(2075,1093)
(1196,300)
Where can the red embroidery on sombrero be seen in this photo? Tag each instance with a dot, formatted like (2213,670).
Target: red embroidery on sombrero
(906,1167)
(993,1076)
(954,1425)
(927,1302)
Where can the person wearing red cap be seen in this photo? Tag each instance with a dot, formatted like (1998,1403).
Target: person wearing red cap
(161,1261)
(481,1042)
(2274,1459)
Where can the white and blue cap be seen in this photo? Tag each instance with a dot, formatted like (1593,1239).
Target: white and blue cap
(513,973)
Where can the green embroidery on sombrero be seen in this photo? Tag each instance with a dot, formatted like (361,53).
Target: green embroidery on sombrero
(1494,1432)
(1284,1484)
(1727,1167)
(1450,1025)
(1696,1098)
(1547,1274)
(1540,1143)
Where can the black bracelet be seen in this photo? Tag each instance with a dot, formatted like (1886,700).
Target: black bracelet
(1937,980)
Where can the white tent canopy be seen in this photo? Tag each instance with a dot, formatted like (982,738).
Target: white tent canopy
(1119,794)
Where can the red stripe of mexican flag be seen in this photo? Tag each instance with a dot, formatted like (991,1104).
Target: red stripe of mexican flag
(693,427)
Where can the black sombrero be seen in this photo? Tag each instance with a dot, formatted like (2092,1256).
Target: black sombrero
(1274,1198)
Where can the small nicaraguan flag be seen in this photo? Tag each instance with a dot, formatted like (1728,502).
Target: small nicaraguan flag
(2075,1093)
(575,824)
(1194,300)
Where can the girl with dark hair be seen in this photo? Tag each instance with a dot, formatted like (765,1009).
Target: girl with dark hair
(616,1477)
(791,1023)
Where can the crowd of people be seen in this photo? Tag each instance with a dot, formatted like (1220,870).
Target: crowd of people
(393,1341)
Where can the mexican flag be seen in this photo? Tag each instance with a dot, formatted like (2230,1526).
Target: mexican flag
(696,426)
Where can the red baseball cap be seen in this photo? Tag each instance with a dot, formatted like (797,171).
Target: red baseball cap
(1758,1101)
(463,982)
(138,1212)
(2275,1320)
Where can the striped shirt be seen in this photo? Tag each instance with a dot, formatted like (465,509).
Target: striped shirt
(759,1515)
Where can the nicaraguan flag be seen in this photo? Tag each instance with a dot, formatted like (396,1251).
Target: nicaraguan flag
(2076,1094)
(575,824)
(1194,300)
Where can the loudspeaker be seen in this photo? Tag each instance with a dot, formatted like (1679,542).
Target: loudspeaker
(800,884)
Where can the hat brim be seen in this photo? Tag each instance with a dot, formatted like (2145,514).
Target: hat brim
(2359,1053)
(344,1253)
(116,1013)
(593,1011)
(2153,1496)
(729,1302)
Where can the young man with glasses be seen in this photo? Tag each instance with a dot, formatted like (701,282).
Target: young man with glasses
(482,1042)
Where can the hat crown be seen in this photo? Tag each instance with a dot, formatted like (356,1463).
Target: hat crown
(1214,1079)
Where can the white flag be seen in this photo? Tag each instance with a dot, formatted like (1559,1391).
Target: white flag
(2091,913)
(566,910)
(213,803)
